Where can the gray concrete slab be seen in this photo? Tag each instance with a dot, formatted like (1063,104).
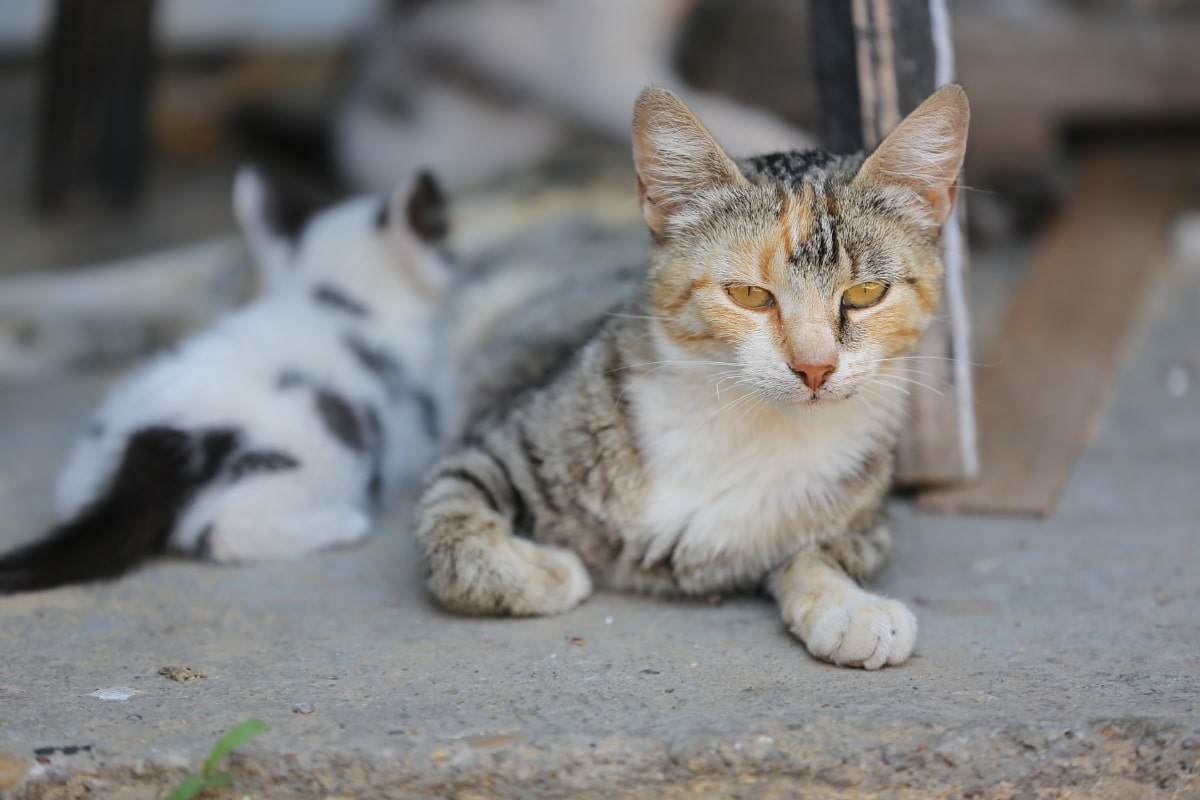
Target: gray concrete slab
(1057,657)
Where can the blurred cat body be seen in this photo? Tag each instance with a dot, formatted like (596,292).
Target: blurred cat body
(282,428)
(726,420)
(479,87)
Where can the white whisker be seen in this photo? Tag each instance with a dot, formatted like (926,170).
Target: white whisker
(939,383)
(674,363)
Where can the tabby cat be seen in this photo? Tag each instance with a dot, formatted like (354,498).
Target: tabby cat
(725,422)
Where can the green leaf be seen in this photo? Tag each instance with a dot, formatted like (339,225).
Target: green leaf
(220,779)
(234,738)
(188,788)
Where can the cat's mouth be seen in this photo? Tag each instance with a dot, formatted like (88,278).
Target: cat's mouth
(807,398)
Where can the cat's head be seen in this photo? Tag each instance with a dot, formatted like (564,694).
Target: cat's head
(371,244)
(804,272)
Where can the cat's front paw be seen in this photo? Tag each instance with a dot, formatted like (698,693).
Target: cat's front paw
(499,574)
(859,630)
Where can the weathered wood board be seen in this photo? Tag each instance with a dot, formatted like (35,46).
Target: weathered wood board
(876,60)
(1042,390)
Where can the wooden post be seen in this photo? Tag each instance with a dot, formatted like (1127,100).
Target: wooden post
(94,94)
(876,60)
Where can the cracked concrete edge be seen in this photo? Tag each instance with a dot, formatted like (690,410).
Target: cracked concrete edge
(1118,758)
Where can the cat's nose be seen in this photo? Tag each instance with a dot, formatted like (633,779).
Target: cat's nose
(813,375)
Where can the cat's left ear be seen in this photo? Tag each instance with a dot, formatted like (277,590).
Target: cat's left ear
(924,154)
(677,159)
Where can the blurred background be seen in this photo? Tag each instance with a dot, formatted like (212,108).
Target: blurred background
(223,81)
(124,121)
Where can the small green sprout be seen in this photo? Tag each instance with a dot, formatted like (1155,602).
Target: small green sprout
(207,777)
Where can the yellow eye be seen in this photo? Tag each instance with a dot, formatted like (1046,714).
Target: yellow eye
(864,294)
(750,296)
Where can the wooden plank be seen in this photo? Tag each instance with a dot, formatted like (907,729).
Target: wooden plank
(876,60)
(1107,65)
(1057,359)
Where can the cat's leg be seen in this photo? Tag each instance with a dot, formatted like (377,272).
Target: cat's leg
(823,605)
(476,563)
(240,540)
(268,518)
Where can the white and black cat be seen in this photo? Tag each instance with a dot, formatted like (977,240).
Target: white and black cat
(482,87)
(279,430)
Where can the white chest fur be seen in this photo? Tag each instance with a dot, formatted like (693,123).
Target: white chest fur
(734,488)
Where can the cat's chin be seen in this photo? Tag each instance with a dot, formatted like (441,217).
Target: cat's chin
(812,402)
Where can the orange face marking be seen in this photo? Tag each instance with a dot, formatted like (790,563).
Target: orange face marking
(796,219)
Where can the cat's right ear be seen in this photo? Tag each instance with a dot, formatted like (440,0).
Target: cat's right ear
(415,220)
(424,208)
(922,157)
(676,158)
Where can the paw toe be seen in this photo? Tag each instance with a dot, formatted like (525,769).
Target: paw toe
(867,634)
(577,584)
(904,632)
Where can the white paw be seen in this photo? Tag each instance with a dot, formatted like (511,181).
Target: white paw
(578,586)
(234,540)
(862,630)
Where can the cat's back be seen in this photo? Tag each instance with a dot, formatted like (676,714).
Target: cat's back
(529,301)
(226,371)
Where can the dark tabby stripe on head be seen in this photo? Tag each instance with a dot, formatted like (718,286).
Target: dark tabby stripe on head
(336,299)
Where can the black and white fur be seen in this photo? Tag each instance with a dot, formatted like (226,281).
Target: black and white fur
(278,431)
(484,87)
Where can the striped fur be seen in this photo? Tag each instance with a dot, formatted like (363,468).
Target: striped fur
(668,445)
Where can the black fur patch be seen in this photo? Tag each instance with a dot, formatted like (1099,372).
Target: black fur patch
(336,299)
(340,419)
(383,365)
(254,461)
(289,207)
(160,471)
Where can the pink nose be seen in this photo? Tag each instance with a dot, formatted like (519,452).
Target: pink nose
(813,375)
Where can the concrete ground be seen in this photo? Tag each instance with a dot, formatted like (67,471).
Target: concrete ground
(1057,658)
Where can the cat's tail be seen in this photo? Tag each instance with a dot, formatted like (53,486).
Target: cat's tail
(159,471)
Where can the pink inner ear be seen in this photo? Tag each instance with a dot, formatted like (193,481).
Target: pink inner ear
(925,152)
